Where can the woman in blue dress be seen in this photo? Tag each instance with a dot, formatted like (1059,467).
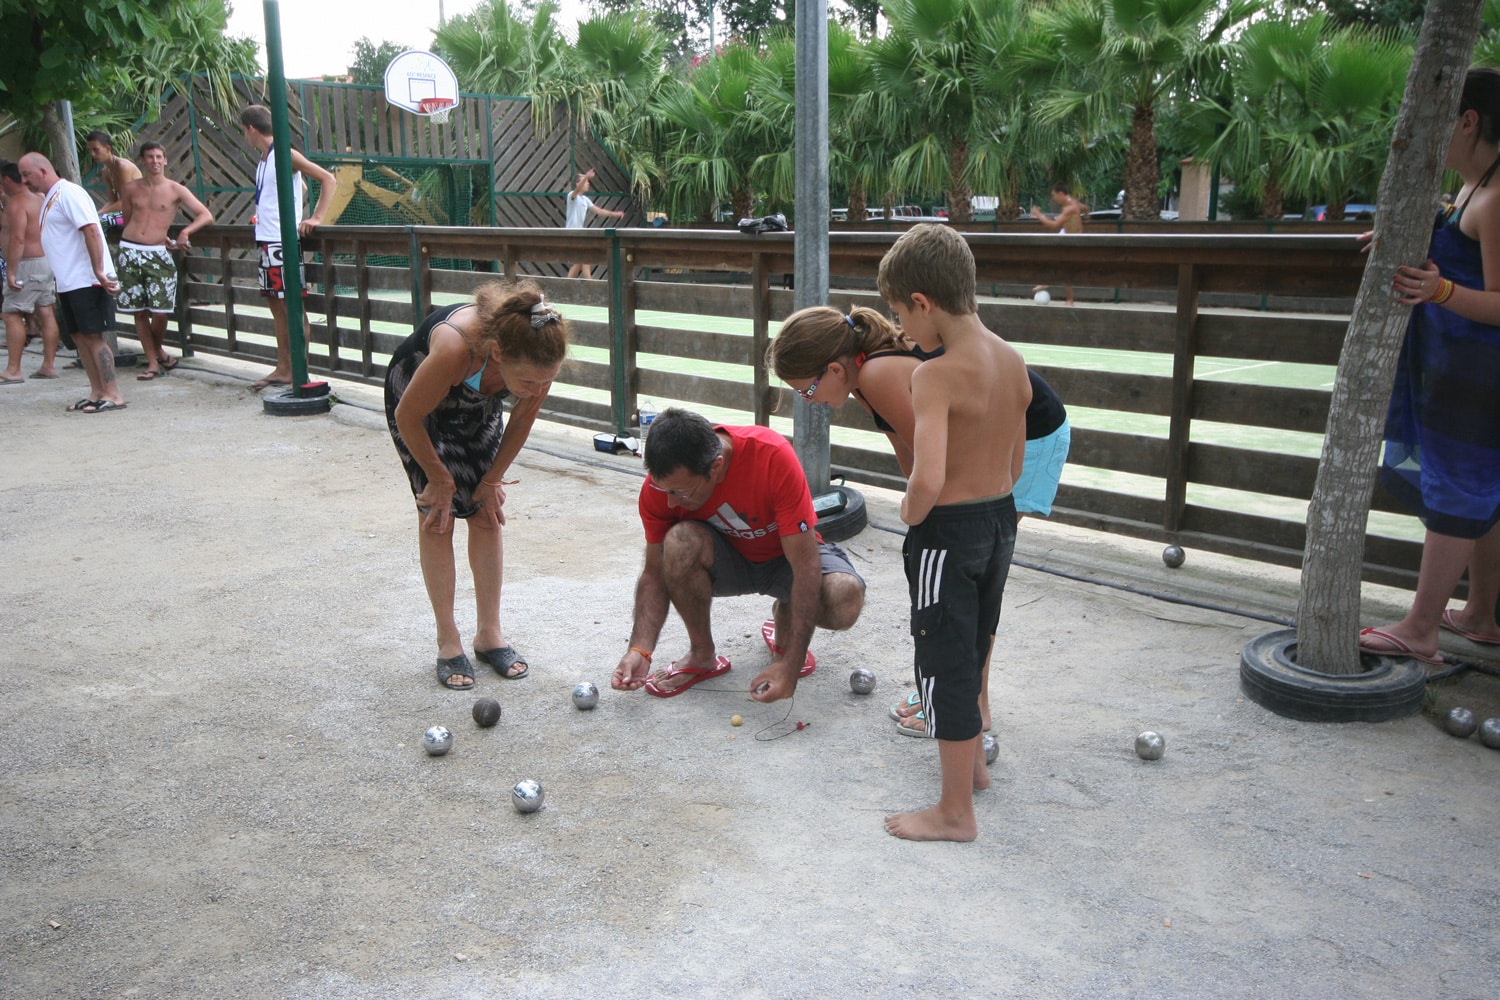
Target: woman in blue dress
(444,404)
(1442,447)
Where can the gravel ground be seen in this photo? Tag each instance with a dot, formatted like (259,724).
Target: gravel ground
(218,671)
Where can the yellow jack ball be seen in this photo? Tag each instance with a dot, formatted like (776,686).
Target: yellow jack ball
(735,720)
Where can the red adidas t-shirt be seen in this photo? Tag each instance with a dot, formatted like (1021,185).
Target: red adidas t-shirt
(763,496)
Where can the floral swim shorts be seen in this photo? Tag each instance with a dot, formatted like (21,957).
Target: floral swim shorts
(148,279)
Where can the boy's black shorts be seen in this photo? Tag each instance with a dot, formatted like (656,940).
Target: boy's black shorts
(956,564)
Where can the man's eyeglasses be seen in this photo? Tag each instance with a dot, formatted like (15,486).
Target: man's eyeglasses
(812,387)
(677,494)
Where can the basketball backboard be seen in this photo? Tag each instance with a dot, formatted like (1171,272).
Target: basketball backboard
(416,76)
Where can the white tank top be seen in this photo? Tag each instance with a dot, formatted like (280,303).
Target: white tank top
(268,200)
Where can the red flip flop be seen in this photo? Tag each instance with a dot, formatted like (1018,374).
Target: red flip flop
(1395,647)
(768,633)
(695,675)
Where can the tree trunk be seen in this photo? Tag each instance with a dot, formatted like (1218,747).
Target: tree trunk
(857,202)
(1142,171)
(742,201)
(1335,210)
(1328,608)
(1272,204)
(61,147)
(960,195)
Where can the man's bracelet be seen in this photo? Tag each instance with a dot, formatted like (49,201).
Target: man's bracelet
(644,652)
(1444,292)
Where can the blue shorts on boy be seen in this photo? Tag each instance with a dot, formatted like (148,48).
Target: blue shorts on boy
(957,561)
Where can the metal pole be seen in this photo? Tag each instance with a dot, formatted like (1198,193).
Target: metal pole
(291,247)
(810,421)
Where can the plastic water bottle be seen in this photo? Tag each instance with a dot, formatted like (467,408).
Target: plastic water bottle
(647,411)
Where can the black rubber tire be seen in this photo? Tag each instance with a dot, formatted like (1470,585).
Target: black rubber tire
(1389,688)
(846,523)
(284,404)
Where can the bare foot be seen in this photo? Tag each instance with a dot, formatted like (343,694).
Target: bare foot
(929,824)
(981,773)
(275,378)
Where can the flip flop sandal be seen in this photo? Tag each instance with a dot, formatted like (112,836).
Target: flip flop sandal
(104,406)
(78,406)
(768,633)
(1451,624)
(149,376)
(503,659)
(169,364)
(920,734)
(911,700)
(696,675)
(1394,647)
(455,666)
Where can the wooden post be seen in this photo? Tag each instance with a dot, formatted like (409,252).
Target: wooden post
(1184,354)
(184,317)
(231,329)
(362,291)
(330,307)
(760,336)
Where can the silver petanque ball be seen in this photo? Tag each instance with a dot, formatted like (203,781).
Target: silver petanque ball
(1489,733)
(861,681)
(585,695)
(437,741)
(1460,722)
(1150,746)
(1173,556)
(527,796)
(991,749)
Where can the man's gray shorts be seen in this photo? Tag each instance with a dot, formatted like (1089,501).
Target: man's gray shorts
(733,574)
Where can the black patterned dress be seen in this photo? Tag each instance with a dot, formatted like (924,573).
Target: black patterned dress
(465,428)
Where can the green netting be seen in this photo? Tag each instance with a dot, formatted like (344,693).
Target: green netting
(406,192)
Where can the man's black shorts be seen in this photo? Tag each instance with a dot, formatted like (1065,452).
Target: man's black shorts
(87,311)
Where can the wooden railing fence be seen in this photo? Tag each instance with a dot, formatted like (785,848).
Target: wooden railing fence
(725,274)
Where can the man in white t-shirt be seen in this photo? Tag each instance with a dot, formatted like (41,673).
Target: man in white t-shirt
(73,243)
(255,123)
(579,207)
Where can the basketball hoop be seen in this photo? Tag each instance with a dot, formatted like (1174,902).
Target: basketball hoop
(436,108)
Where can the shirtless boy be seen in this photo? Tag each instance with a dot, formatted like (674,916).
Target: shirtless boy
(969,444)
(116,171)
(255,123)
(1069,220)
(29,291)
(148,274)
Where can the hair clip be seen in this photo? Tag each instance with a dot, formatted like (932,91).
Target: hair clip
(850,321)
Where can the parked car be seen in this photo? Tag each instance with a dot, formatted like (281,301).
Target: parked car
(1353,210)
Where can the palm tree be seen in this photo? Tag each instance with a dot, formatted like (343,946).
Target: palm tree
(715,130)
(1131,56)
(494,52)
(614,73)
(1307,108)
(926,67)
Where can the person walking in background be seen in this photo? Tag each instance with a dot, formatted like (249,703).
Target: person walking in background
(29,290)
(1442,432)
(1069,219)
(73,241)
(148,274)
(579,207)
(444,405)
(255,123)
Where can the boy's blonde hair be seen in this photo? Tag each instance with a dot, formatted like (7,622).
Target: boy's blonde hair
(518,319)
(813,338)
(932,259)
